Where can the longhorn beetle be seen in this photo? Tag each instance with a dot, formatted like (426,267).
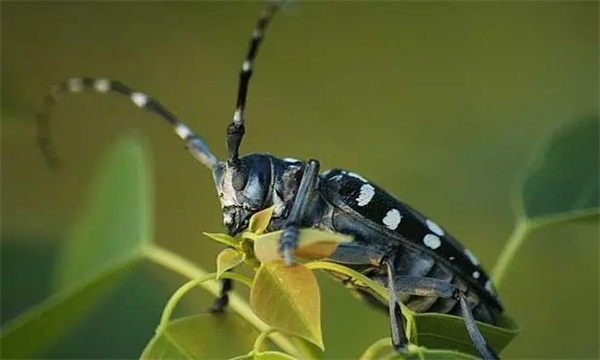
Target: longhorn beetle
(419,262)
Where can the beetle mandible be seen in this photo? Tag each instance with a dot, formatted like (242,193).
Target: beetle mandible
(421,264)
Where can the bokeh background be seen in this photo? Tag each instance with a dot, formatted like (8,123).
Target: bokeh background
(440,103)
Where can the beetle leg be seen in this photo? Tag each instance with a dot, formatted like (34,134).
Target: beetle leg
(424,286)
(289,239)
(483,348)
(354,253)
(357,253)
(221,302)
(397,319)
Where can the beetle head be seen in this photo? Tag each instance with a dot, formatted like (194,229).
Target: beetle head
(244,188)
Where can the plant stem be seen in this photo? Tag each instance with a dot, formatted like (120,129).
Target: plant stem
(330,266)
(184,267)
(177,295)
(261,339)
(374,351)
(520,232)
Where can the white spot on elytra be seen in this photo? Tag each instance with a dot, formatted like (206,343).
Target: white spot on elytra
(392,219)
(237,116)
(451,258)
(182,131)
(75,85)
(246,65)
(432,241)
(471,257)
(356,176)
(139,99)
(291,160)
(101,85)
(366,194)
(434,227)
(476,274)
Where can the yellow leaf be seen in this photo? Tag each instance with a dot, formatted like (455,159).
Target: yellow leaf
(287,298)
(228,259)
(312,244)
(260,220)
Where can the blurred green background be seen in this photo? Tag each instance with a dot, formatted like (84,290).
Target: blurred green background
(440,103)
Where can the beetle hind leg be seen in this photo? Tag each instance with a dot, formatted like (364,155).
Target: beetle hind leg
(424,286)
(484,349)
(397,319)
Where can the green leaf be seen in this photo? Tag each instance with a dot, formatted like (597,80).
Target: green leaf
(223,239)
(273,355)
(382,349)
(287,298)
(244,357)
(562,182)
(429,354)
(206,336)
(260,220)
(267,355)
(312,244)
(41,326)
(228,259)
(306,349)
(440,331)
(445,336)
(118,221)
(101,249)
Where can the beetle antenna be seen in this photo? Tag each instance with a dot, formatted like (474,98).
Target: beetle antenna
(194,143)
(235,130)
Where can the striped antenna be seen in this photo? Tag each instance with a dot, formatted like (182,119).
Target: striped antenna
(235,130)
(195,145)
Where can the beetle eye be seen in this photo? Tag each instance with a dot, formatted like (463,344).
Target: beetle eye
(238,180)
(239,176)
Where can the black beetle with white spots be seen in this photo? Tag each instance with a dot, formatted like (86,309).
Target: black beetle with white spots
(421,265)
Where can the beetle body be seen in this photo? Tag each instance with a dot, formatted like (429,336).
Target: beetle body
(345,202)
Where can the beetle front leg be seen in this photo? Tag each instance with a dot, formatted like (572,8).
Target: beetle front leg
(221,302)
(289,239)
